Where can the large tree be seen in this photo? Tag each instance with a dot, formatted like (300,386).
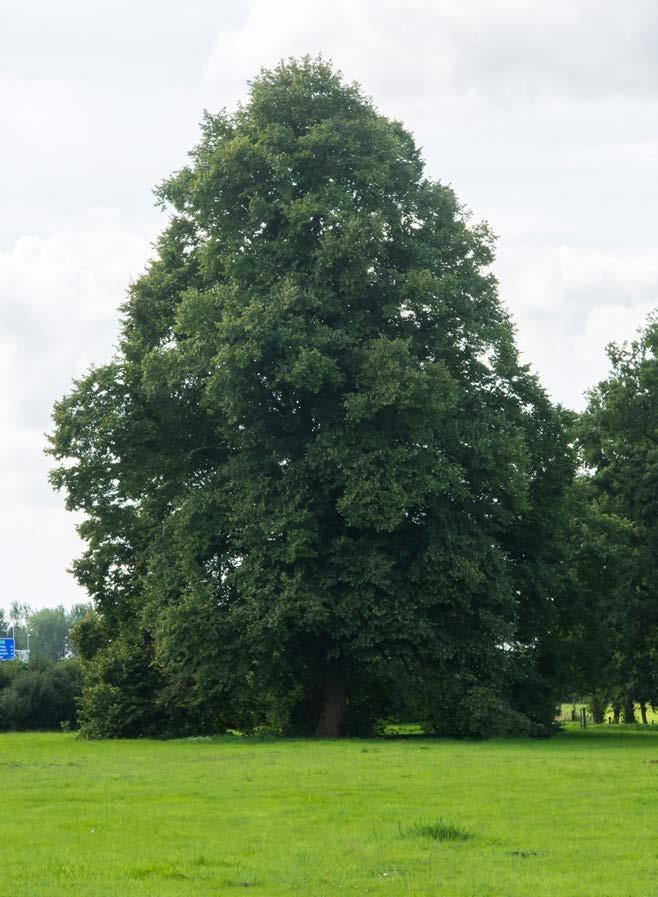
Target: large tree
(316,479)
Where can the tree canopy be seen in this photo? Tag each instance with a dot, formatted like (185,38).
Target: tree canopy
(318,484)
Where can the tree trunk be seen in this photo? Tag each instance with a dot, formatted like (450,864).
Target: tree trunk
(332,711)
(598,709)
(643,711)
(629,712)
(616,710)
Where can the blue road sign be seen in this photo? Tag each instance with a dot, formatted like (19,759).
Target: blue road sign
(7,649)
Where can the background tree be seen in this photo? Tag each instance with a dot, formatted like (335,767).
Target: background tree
(49,629)
(619,434)
(315,471)
(602,570)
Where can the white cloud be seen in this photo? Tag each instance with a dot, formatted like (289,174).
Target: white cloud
(570,303)
(416,49)
(58,314)
(60,298)
(540,114)
(38,547)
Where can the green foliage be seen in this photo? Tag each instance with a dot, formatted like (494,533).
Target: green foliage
(119,698)
(39,696)
(315,474)
(602,569)
(49,629)
(619,438)
(480,713)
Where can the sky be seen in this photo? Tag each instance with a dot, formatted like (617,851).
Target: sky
(543,116)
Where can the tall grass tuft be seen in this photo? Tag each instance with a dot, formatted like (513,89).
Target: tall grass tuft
(437,831)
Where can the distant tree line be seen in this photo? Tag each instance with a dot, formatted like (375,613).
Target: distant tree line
(42,692)
(320,489)
(47,632)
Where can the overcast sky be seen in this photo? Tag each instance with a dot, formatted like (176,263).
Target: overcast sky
(542,115)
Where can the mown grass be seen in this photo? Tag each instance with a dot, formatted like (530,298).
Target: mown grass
(575,815)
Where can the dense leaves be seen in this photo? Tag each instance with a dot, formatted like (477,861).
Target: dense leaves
(317,483)
(619,436)
(39,696)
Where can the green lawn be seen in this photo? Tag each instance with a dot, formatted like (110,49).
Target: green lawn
(577,815)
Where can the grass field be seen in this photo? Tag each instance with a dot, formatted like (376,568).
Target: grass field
(576,815)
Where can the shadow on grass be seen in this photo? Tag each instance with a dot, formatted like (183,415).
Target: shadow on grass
(618,736)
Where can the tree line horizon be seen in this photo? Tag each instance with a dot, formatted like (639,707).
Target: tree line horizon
(319,488)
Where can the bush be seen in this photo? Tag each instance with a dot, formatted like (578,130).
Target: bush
(107,712)
(483,714)
(480,713)
(39,696)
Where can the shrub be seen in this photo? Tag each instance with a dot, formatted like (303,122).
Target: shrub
(479,713)
(39,696)
(106,712)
